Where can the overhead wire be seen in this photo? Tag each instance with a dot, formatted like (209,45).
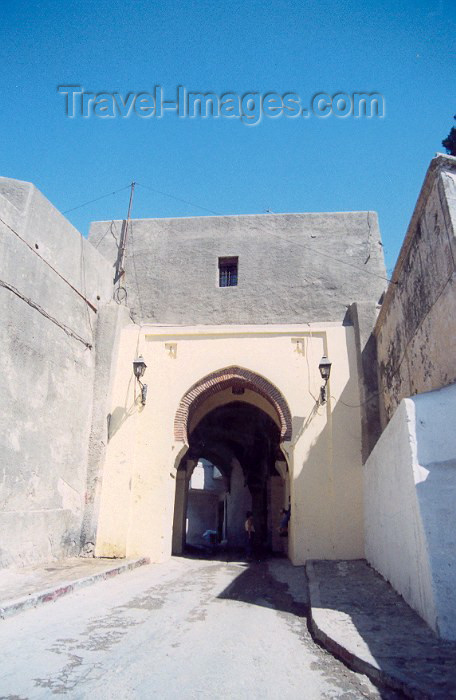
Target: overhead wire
(302,245)
(363,403)
(97,199)
(179,199)
(89,303)
(108,230)
(188,202)
(69,331)
(275,235)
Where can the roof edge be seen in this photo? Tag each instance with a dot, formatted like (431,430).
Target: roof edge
(440,162)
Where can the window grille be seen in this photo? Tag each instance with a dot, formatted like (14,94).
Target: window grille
(228,272)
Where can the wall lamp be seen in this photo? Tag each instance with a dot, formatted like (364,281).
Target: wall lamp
(325,371)
(139,367)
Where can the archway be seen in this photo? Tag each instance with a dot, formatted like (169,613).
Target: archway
(234,429)
(238,379)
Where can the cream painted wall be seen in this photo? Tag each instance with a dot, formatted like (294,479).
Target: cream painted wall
(324,456)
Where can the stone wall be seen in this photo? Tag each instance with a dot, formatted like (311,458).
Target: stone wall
(293,268)
(409,497)
(416,327)
(52,287)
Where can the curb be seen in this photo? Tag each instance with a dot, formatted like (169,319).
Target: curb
(352,660)
(33,600)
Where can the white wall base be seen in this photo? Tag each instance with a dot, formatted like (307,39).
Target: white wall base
(410,514)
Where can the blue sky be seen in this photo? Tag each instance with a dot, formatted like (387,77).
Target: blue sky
(403,50)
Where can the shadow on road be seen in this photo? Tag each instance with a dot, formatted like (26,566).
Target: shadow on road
(257,586)
(275,584)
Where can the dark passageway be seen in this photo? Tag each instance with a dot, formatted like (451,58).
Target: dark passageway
(242,443)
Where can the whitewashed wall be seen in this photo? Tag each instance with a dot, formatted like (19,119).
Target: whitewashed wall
(410,514)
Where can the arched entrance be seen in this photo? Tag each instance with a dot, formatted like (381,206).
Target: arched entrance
(233,422)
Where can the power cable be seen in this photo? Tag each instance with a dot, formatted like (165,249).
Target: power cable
(179,199)
(91,201)
(89,303)
(44,313)
(302,245)
(215,213)
(108,230)
(363,403)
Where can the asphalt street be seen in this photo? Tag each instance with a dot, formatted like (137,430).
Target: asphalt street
(190,628)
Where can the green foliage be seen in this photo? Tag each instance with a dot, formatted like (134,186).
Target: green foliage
(450,142)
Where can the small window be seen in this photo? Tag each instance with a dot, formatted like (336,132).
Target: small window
(228,272)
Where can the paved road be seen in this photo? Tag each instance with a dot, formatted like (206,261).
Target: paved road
(185,629)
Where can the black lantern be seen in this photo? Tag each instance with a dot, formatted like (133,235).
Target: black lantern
(325,368)
(325,371)
(139,367)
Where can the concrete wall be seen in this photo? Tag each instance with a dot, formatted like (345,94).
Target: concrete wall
(52,285)
(324,454)
(416,327)
(410,518)
(293,268)
(364,316)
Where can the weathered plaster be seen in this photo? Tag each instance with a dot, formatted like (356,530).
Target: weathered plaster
(53,283)
(416,331)
(293,268)
(111,319)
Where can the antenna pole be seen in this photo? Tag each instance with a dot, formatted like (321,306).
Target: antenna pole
(132,190)
(120,270)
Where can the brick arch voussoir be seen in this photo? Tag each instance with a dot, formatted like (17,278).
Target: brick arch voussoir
(223,379)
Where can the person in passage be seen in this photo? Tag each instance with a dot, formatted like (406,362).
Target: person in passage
(249,534)
(284,520)
(210,538)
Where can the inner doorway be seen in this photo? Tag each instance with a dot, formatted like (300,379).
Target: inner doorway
(233,464)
